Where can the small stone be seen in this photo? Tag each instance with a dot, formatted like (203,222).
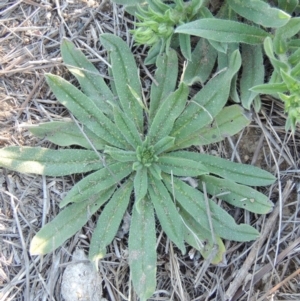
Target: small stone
(80,280)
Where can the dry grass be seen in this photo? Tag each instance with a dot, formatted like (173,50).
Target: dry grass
(268,269)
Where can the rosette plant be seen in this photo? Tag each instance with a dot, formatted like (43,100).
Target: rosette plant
(137,153)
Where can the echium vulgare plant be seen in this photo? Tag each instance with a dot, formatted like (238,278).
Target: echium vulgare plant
(283,51)
(136,153)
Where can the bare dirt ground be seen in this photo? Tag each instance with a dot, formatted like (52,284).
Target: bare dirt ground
(268,269)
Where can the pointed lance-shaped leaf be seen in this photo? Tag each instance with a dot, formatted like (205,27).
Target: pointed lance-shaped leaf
(84,109)
(241,173)
(167,113)
(270,88)
(228,122)
(91,82)
(253,72)
(163,145)
(193,201)
(202,62)
(166,78)
(127,128)
(166,212)
(140,185)
(226,31)
(109,221)
(185,46)
(67,223)
(201,239)
(237,195)
(125,75)
(66,133)
(205,105)
(49,162)
(97,181)
(119,154)
(142,251)
(288,6)
(181,166)
(260,12)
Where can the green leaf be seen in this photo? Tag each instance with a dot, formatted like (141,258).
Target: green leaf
(237,195)
(181,166)
(167,113)
(185,46)
(90,80)
(253,72)
(142,251)
(166,212)
(228,122)
(260,12)
(270,88)
(85,110)
(97,181)
(67,223)
(109,221)
(201,64)
(192,200)
(66,133)
(225,31)
(120,155)
(292,83)
(241,173)
(294,58)
(288,5)
(166,77)
(48,162)
(205,105)
(153,53)
(201,239)
(140,186)
(163,145)
(126,75)
(127,128)
(155,171)
(285,32)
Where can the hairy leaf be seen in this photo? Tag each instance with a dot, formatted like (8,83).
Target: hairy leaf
(201,239)
(127,128)
(120,155)
(142,251)
(253,72)
(181,166)
(166,212)
(97,181)
(166,77)
(225,31)
(140,186)
(167,113)
(109,221)
(125,75)
(193,201)
(67,223)
(185,46)
(202,62)
(227,123)
(237,195)
(66,133)
(85,110)
(260,12)
(163,145)
(48,162)
(91,82)
(205,105)
(241,173)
